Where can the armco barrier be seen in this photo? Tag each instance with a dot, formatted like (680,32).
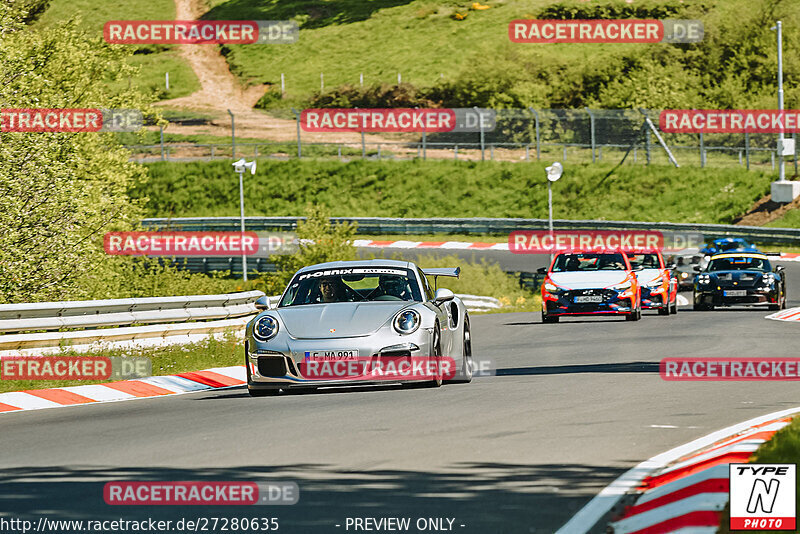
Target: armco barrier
(139,322)
(135,321)
(381,225)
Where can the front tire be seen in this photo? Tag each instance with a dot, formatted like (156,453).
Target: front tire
(467,367)
(549,318)
(673,309)
(263,392)
(437,355)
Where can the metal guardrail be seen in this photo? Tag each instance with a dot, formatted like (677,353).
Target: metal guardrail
(163,320)
(189,318)
(381,225)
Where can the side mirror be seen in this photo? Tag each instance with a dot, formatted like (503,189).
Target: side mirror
(262,303)
(779,268)
(443,295)
(542,270)
(696,268)
(671,266)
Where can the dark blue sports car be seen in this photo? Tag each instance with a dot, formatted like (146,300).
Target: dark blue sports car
(728,244)
(740,279)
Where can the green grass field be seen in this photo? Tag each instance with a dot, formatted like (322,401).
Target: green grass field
(164,58)
(381,38)
(453,189)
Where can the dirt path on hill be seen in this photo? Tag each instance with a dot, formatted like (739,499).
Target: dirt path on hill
(221,90)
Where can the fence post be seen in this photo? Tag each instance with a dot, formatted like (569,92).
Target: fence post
(647,144)
(299,145)
(321,83)
(361,79)
(591,125)
(747,149)
(162,142)
(794,136)
(600,153)
(455,153)
(740,158)
(480,126)
(527,152)
(538,138)
(379,151)
(565,153)
(255,151)
(491,152)
(772,157)
(283,85)
(702,150)
(233,135)
(212,151)
(340,152)
(634,153)
(399,79)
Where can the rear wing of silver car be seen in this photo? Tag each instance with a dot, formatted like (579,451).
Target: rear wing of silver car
(436,272)
(442,271)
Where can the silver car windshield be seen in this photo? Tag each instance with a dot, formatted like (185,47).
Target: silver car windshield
(352,285)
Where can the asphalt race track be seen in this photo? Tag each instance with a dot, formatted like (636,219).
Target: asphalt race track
(572,406)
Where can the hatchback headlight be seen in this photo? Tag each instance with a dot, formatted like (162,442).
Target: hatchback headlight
(406,322)
(265,328)
(550,287)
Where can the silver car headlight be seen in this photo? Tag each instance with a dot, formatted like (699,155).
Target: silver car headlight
(265,328)
(407,322)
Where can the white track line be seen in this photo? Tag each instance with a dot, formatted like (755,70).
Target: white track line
(601,503)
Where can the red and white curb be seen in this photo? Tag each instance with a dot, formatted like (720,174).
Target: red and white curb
(683,489)
(692,492)
(792,314)
(154,386)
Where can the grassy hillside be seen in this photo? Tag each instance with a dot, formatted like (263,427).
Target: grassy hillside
(453,189)
(154,60)
(423,41)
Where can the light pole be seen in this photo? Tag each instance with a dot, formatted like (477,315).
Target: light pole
(554,172)
(782,190)
(781,169)
(239,167)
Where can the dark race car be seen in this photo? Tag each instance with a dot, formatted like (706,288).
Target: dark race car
(740,279)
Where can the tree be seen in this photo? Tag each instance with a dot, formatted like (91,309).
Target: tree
(59,192)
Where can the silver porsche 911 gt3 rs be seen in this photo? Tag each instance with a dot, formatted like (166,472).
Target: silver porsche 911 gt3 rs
(357,322)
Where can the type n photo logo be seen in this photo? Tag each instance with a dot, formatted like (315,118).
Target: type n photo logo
(763,496)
